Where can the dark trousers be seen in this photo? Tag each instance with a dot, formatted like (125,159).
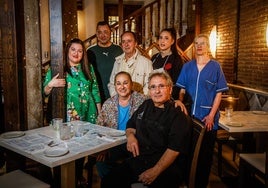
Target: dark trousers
(128,172)
(205,159)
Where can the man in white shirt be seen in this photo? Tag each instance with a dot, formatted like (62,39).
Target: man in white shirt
(131,61)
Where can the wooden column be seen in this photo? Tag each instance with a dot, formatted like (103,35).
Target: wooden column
(33,78)
(166,14)
(57,57)
(158,18)
(121,17)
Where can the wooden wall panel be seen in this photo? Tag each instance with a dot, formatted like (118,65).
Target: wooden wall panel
(8,66)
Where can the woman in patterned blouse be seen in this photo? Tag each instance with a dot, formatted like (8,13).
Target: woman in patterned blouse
(82,95)
(115,113)
(82,92)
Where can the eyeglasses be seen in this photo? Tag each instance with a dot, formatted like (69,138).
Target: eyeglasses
(200,43)
(160,86)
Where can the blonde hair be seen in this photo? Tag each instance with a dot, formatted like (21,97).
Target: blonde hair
(203,36)
(206,37)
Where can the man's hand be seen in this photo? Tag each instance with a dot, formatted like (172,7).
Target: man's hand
(132,144)
(181,105)
(148,176)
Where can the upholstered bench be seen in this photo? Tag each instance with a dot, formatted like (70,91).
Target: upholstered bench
(21,179)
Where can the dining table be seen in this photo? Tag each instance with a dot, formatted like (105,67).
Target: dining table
(247,123)
(44,145)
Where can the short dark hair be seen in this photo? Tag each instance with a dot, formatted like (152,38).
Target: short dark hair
(132,33)
(103,23)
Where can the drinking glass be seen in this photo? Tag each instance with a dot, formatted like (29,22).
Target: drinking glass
(228,111)
(78,129)
(56,122)
(65,131)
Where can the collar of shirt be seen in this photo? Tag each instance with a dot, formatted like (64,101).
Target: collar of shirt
(131,60)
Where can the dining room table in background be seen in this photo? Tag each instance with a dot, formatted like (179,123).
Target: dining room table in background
(44,145)
(248,123)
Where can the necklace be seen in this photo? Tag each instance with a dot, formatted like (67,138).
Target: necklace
(164,62)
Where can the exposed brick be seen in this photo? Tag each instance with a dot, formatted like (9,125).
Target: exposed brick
(250,52)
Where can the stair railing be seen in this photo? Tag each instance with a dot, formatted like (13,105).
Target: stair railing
(145,22)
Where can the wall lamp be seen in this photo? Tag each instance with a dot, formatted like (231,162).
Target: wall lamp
(213,41)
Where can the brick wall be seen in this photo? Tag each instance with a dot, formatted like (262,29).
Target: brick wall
(241,45)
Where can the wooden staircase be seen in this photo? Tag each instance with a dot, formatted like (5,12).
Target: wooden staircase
(148,21)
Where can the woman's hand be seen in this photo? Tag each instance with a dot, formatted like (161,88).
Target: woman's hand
(209,122)
(102,155)
(57,82)
(54,82)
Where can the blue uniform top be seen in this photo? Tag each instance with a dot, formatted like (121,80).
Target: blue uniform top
(202,87)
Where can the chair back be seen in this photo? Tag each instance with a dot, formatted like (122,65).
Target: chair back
(198,133)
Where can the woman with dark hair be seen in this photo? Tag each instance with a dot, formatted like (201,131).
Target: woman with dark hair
(168,59)
(82,92)
(82,95)
(115,113)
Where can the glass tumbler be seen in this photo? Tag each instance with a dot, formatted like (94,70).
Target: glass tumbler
(65,131)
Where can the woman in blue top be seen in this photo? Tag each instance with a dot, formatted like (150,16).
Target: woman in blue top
(203,79)
(115,113)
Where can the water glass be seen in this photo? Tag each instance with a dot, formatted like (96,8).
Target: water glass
(228,111)
(65,131)
(78,129)
(56,122)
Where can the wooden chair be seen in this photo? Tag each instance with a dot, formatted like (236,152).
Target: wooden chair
(18,178)
(253,166)
(197,139)
(198,133)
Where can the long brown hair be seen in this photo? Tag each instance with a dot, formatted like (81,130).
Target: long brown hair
(84,61)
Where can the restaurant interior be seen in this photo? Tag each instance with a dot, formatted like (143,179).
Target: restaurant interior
(33,35)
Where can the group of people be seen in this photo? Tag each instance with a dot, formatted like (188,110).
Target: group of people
(118,87)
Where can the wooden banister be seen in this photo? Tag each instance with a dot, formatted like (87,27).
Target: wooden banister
(148,30)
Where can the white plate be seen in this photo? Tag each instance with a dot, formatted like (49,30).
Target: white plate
(56,151)
(234,124)
(116,133)
(260,112)
(13,134)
